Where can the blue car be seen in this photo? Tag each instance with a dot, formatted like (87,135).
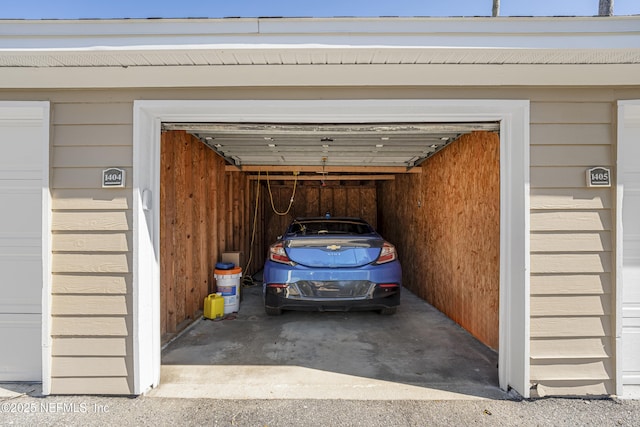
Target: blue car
(331,264)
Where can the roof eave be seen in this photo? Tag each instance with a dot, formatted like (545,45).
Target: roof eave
(381,44)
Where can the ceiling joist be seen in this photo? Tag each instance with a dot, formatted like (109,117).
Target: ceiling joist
(279,129)
(325,177)
(320,170)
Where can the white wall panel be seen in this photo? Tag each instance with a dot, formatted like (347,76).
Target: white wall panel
(23,175)
(629,181)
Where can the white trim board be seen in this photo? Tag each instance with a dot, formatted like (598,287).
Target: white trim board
(513,116)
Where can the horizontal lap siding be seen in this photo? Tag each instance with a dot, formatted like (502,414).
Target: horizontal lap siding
(571,249)
(91,243)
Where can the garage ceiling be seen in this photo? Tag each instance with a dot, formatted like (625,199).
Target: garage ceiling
(401,145)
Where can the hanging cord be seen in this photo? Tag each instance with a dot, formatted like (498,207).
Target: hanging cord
(324,163)
(293,194)
(247,279)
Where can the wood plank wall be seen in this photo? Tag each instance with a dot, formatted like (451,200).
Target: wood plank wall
(204,212)
(340,198)
(446,225)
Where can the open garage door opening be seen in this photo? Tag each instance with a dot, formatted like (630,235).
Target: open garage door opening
(232,186)
(431,189)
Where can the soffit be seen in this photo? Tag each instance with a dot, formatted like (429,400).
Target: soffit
(313,55)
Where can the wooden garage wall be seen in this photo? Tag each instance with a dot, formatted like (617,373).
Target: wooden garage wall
(91,261)
(204,212)
(446,225)
(572,317)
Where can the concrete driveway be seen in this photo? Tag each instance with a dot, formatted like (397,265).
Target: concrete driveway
(416,354)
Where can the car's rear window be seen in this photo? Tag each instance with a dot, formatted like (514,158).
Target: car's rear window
(329,227)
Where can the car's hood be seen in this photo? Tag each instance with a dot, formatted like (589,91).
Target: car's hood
(333,251)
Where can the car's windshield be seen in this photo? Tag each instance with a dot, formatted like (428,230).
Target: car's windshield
(329,227)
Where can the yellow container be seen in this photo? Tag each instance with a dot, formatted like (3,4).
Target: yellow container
(214,306)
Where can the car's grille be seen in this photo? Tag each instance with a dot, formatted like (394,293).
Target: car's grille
(340,289)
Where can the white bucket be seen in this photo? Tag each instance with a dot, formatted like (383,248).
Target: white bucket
(229,286)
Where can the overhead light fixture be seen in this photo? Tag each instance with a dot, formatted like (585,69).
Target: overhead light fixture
(218,145)
(380,145)
(384,138)
(268,138)
(444,138)
(433,146)
(325,145)
(208,138)
(271,145)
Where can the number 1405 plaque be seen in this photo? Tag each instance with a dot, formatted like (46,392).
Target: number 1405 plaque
(599,177)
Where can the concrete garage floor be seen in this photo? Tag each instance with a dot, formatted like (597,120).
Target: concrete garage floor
(416,354)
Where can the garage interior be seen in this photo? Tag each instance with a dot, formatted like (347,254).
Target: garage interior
(431,189)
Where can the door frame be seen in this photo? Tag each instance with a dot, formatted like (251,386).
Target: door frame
(628,113)
(513,116)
